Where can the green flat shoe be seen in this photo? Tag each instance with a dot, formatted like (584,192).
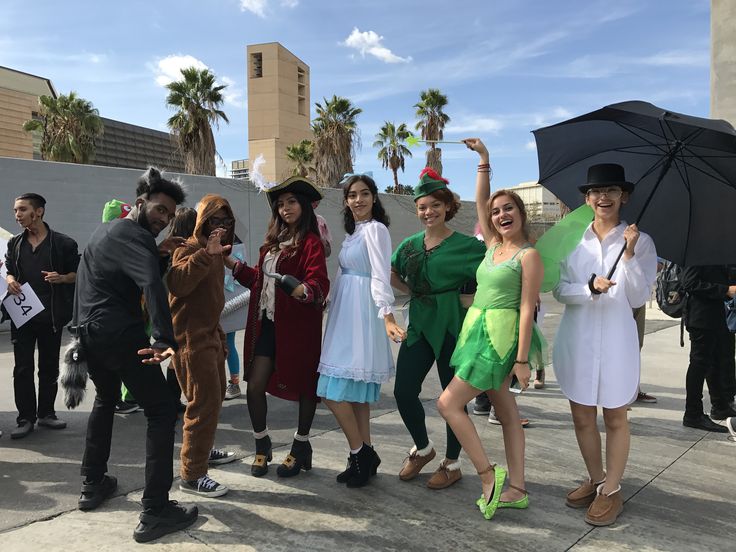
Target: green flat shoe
(488,508)
(520,504)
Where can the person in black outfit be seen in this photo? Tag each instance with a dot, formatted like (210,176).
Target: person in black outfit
(47,260)
(711,345)
(120,262)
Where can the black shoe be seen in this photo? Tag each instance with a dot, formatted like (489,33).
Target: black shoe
(343,477)
(94,494)
(23,430)
(259,467)
(376,461)
(157,523)
(300,458)
(51,422)
(363,463)
(705,423)
(482,405)
(722,413)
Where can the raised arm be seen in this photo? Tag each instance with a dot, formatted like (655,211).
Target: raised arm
(482,187)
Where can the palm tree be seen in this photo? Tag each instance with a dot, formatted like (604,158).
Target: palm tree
(302,155)
(69,126)
(197,99)
(335,139)
(392,151)
(431,124)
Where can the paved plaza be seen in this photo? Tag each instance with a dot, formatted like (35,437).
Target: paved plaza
(678,487)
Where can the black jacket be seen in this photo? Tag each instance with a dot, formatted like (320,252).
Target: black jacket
(120,262)
(706,287)
(64,258)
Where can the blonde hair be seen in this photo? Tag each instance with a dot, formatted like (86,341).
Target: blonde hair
(519,205)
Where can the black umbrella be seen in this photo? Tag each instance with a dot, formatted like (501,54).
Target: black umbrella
(683,168)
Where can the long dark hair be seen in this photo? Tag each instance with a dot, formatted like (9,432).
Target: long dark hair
(278,231)
(183,224)
(378,213)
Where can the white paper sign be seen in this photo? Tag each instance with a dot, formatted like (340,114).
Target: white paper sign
(24,306)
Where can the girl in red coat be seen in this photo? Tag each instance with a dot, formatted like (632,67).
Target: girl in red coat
(288,290)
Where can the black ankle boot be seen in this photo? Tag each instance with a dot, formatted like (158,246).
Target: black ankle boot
(300,458)
(376,461)
(363,464)
(259,467)
(343,477)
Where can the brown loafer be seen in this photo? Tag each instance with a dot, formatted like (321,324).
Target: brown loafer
(447,474)
(416,460)
(584,495)
(605,509)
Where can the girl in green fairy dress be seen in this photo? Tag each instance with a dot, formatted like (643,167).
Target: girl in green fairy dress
(431,267)
(499,339)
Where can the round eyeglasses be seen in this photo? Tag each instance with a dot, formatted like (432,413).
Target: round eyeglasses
(610,193)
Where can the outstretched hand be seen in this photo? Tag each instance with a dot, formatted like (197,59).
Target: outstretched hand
(157,355)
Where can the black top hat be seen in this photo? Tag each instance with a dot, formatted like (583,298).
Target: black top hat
(295,185)
(606,174)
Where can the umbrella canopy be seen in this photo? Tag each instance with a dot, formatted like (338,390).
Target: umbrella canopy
(683,169)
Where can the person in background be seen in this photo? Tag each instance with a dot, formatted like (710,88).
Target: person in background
(234,316)
(47,261)
(640,316)
(324,231)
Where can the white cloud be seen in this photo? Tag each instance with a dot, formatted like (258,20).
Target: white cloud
(169,68)
(474,124)
(233,94)
(261,7)
(370,42)
(531,145)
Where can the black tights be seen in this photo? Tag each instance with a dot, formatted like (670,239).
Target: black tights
(261,371)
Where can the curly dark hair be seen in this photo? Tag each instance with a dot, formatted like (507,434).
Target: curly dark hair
(378,213)
(448,198)
(151,182)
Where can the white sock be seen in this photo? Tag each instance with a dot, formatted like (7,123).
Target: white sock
(356,451)
(302,438)
(260,434)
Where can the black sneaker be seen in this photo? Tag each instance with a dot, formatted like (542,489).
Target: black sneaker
(169,519)
(204,486)
(482,405)
(51,422)
(704,423)
(23,430)
(218,456)
(94,494)
(124,407)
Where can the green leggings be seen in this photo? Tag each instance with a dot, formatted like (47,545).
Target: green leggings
(412,367)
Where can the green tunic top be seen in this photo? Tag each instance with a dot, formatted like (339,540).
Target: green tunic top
(435,277)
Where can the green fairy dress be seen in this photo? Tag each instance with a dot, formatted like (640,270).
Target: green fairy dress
(487,344)
(435,277)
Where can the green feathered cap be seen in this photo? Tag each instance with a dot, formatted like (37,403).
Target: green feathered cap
(429,181)
(295,185)
(114,209)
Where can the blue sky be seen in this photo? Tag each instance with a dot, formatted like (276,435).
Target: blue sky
(507,67)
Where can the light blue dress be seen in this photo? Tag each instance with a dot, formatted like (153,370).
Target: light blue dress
(356,354)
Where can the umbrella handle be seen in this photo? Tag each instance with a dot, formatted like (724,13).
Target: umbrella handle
(615,264)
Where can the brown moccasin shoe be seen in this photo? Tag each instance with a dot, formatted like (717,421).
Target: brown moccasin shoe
(414,463)
(605,509)
(584,495)
(447,474)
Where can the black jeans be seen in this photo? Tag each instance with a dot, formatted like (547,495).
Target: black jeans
(32,333)
(107,368)
(711,358)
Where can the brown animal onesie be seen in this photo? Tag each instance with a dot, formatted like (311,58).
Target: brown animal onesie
(196,297)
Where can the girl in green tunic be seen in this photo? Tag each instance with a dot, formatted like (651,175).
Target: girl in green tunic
(498,340)
(431,267)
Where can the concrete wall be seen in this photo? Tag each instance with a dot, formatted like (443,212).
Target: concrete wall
(75,195)
(723,56)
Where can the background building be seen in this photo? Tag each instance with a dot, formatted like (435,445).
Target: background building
(723,60)
(239,169)
(278,106)
(541,204)
(121,145)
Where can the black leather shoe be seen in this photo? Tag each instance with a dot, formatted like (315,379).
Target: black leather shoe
(157,523)
(722,413)
(705,423)
(94,494)
(259,467)
(343,477)
(363,464)
(23,430)
(300,458)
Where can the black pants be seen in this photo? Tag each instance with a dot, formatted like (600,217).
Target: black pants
(107,368)
(32,333)
(711,358)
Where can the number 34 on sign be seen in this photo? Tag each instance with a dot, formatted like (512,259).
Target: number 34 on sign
(22,307)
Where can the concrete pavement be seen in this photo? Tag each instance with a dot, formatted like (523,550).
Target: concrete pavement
(678,487)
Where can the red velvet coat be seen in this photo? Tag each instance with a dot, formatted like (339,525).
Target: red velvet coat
(298,323)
